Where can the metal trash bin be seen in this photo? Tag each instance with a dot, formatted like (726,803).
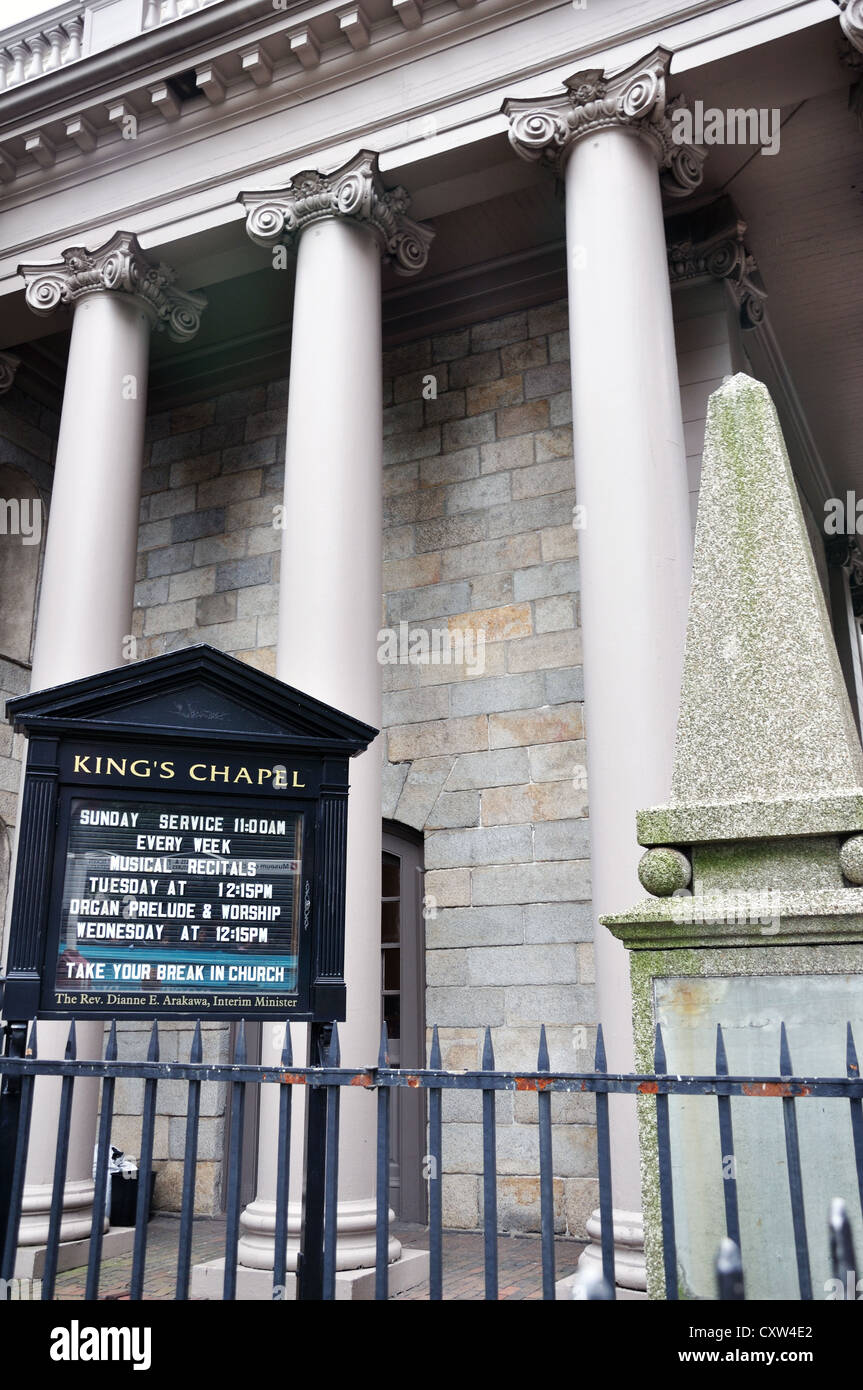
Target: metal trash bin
(124,1198)
(121,1194)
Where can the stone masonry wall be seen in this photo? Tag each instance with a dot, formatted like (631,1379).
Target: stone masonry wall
(478,501)
(488,758)
(28,440)
(208,552)
(169,1138)
(208,570)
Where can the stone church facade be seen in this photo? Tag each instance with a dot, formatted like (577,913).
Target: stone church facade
(494,450)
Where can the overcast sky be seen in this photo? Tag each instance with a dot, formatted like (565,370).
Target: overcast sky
(12,11)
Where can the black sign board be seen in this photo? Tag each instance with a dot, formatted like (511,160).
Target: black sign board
(182,846)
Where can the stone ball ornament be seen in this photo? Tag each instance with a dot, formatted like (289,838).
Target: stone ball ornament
(663,871)
(851,859)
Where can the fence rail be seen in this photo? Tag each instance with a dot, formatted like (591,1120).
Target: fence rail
(324,1081)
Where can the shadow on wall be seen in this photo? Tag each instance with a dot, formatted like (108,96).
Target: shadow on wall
(22,530)
(22,515)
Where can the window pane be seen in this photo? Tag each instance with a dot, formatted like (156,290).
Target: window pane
(390,876)
(392,1014)
(391,968)
(390,917)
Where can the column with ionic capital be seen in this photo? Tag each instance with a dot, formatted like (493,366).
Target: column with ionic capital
(851,19)
(330,600)
(85,608)
(613,142)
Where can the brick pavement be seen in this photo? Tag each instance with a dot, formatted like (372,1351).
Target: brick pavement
(519,1265)
(518,1257)
(208,1242)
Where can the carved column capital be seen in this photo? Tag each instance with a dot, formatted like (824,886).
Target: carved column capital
(119,266)
(545,129)
(719,255)
(851,19)
(9,365)
(355,191)
(851,52)
(844,552)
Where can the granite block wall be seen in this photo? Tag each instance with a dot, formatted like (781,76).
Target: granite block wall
(481,659)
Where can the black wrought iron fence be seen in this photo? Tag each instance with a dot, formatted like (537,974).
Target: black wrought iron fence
(316,1268)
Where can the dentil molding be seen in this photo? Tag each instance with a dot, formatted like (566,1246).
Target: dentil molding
(233,49)
(120,266)
(544,129)
(354,191)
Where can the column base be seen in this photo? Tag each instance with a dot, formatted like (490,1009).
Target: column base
(76,1221)
(356,1246)
(565,1289)
(72,1254)
(409,1270)
(630,1270)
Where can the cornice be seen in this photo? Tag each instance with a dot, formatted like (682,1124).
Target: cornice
(150,45)
(544,130)
(234,48)
(240,49)
(119,266)
(9,365)
(354,191)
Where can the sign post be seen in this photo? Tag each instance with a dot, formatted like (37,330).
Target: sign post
(181,852)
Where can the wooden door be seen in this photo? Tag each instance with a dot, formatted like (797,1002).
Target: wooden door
(402,1002)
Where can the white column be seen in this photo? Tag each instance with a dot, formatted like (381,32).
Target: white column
(330,610)
(607,137)
(85,605)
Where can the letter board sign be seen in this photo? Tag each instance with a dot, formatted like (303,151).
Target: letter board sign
(182,846)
